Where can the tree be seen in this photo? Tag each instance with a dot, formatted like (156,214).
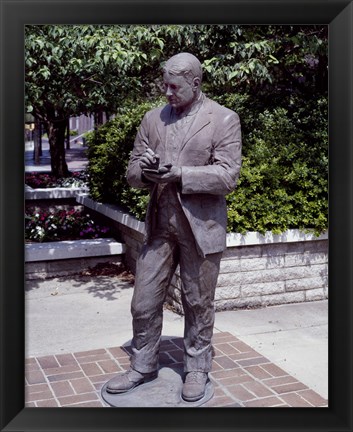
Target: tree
(73,70)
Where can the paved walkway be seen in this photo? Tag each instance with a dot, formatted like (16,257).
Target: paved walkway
(79,335)
(242,377)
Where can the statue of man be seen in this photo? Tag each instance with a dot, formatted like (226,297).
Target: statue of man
(188,153)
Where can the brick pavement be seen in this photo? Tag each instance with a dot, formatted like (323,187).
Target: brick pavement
(241,377)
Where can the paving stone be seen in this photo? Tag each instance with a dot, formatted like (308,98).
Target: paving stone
(227,349)
(89,353)
(66,359)
(62,388)
(240,393)
(36,388)
(286,388)
(258,372)
(274,370)
(312,397)
(65,376)
(109,366)
(48,362)
(62,369)
(258,389)
(82,385)
(253,361)
(93,358)
(223,374)
(117,352)
(92,404)
(49,403)
(272,382)
(35,377)
(91,369)
(226,363)
(264,402)
(43,395)
(86,397)
(294,400)
(236,380)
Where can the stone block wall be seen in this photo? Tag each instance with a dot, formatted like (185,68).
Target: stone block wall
(59,268)
(268,274)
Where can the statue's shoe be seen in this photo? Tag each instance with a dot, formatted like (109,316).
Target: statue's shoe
(128,380)
(194,386)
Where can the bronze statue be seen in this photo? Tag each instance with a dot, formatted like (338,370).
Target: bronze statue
(188,153)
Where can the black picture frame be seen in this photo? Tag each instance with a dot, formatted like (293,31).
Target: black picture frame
(338,14)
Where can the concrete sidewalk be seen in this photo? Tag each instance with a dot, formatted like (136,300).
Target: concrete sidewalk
(85,317)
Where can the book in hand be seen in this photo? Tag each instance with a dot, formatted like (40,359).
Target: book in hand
(161,170)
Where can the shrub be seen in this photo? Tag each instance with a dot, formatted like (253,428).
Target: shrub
(44,226)
(109,150)
(284,176)
(283,182)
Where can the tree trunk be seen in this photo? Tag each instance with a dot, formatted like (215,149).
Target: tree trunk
(56,134)
(36,141)
(68,134)
(40,138)
(98,119)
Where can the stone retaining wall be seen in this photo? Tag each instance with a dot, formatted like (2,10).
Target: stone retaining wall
(256,270)
(55,259)
(268,274)
(52,199)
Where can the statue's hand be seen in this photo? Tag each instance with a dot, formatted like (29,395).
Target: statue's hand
(149,160)
(165,174)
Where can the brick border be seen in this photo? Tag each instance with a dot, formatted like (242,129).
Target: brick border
(241,376)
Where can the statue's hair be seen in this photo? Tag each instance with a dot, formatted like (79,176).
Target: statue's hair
(184,64)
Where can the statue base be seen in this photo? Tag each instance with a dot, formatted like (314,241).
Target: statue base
(164,391)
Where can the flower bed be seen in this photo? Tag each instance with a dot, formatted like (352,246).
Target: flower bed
(54,225)
(37,180)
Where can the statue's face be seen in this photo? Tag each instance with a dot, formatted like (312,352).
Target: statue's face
(178,91)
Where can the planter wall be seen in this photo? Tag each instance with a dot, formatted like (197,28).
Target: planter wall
(53,198)
(256,270)
(63,258)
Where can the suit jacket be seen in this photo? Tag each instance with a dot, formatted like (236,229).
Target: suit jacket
(210,161)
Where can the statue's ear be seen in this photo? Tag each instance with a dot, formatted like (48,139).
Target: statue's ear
(196,83)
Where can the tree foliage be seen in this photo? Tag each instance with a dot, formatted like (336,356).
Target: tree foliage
(82,69)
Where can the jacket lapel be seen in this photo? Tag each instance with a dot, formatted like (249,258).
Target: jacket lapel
(203,118)
(161,126)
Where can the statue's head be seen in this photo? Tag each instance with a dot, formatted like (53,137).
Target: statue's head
(182,77)
(184,64)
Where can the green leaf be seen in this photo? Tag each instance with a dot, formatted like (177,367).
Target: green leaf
(233,74)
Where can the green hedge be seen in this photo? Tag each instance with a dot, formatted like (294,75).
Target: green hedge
(283,182)
(109,149)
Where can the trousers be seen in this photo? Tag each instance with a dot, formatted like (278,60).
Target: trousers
(172,243)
